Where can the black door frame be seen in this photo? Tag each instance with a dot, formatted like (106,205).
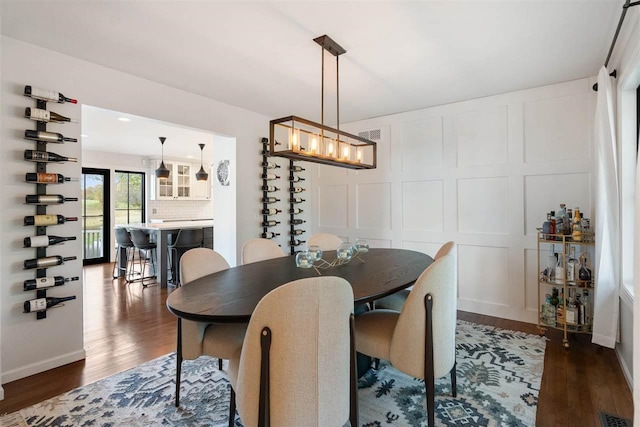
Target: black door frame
(106,212)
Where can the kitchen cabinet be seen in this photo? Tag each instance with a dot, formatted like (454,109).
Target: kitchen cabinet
(181,184)
(201,190)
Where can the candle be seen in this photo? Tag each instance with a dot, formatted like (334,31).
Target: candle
(314,145)
(304,263)
(330,149)
(358,155)
(345,153)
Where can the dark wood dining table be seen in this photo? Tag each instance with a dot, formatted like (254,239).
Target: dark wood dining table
(230,296)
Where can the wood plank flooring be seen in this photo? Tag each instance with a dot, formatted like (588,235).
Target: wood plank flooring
(126,325)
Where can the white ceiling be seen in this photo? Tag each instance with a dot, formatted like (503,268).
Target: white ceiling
(260,55)
(103,130)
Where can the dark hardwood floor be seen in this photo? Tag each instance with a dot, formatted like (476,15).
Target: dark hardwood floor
(126,324)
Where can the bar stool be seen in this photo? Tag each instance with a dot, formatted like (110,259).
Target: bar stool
(144,245)
(185,240)
(123,241)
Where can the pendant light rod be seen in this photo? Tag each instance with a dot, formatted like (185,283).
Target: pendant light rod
(328,44)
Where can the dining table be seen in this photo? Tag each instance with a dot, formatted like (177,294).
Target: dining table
(231,295)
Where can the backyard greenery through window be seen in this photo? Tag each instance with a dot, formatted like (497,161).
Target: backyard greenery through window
(129,197)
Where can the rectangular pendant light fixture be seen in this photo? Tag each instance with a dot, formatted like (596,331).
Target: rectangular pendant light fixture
(301,139)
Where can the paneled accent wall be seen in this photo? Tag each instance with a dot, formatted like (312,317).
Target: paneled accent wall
(482,173)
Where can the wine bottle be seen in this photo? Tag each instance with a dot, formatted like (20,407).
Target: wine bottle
(39,135)
(297,169)
(270,200)
(296,200)
(297,221)
(44,156)
(46,116)
(43,220)
(297,242)
(48,199)
(585,273)
(269,235)
(47,282)
(265,152)
(44,241)
(296,232)
(295,211)
(297,190)
(296,179)
(271,223)
(50,261)
(270,165)
(42,304)
(47,178)
(47,95)
(271,211)
(269,188)
(270,176)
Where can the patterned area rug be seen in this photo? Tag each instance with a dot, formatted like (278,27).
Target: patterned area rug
(499,374)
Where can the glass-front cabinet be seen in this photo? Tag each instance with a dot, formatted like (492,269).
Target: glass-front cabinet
(181,184)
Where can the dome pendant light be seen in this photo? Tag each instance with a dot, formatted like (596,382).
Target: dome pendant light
(201,175)
(162,171)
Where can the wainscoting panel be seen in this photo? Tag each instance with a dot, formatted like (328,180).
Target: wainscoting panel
(423,205)
(373,203)
(332,206)
(482,205)
(483,274)
(482,137)
(557,129)
(532,274)
(422,144)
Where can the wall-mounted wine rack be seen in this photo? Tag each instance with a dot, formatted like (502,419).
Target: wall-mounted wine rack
(269,199)
(41,115)
(268,194)
(294,191)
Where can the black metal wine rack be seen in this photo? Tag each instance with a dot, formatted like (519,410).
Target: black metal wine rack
(294,240)
(41,189)
(265,193)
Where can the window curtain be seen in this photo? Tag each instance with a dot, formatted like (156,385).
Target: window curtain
(636,299)
(606,304)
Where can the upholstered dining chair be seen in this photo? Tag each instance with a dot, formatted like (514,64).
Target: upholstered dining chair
(396,301)
(199,338)
(420,340)
(297,363)
(326,241)
(255,250)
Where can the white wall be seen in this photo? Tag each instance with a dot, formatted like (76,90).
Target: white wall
(29,347)
(483,173)
(225,217)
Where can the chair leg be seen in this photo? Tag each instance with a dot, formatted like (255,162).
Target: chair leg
(178,361)
(232,407)
(220,364)
(454,382)
(117,264)
(429,375)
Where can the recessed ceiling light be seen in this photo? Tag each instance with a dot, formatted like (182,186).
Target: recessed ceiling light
(84,136)
(124,119)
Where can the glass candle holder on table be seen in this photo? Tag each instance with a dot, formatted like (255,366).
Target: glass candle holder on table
(304,259)
(344,252)
(315,252)
(361,246)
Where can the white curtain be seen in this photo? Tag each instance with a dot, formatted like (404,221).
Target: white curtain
(606,304)
(636,299)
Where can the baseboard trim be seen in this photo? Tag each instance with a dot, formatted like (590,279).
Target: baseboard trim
(498,310)
(625,370)
(45,365)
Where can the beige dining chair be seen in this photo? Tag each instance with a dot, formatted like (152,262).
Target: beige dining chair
(255,250)
(297,363)
(396,301)
(420,340)
(326,241)
(199,338)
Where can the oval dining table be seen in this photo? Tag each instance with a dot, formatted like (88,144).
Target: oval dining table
(231,295)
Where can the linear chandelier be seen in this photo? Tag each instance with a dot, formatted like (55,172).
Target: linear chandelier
(300,139)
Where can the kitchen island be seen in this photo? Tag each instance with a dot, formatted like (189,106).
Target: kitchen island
(160,232)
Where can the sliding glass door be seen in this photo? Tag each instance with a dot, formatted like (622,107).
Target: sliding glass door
(95,216)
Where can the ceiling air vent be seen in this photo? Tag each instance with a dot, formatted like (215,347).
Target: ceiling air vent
(372,135)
